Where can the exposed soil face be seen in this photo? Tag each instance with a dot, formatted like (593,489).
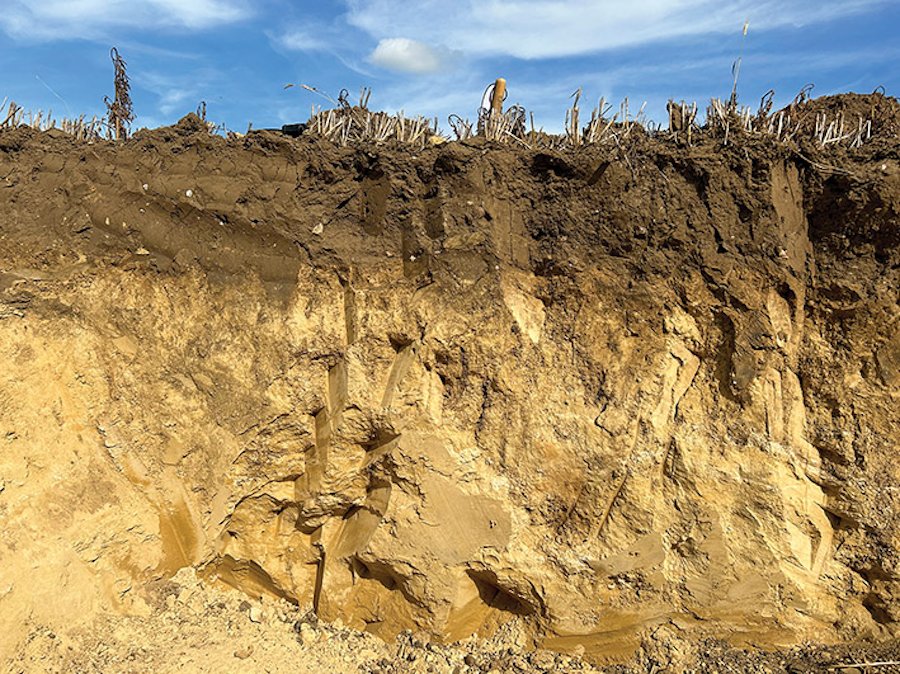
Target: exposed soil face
(612,403)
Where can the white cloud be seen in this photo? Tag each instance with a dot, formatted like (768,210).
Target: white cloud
(304,40)
(403,55)
(173,100)
(67,19)
(177,93)
(533,29)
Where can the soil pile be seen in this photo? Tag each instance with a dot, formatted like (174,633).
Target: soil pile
(621,403)
(853,109)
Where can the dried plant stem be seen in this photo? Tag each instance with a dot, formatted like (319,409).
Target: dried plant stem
(120,113)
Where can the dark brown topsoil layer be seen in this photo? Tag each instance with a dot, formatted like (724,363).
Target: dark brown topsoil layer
(268,203)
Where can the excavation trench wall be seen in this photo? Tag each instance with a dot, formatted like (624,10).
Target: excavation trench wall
(610,395)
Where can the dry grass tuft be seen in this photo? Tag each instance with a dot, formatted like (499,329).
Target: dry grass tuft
(502,127)
(601,129)
(794,123)
(346,123)
(358,124)
(13,115)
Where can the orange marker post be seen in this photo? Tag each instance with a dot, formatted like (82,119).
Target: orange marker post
(499,94)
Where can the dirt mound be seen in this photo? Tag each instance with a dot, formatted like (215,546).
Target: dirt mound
(881,110)
(613,401)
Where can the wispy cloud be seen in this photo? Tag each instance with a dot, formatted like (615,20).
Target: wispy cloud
(303,39)
(533,29)
(42,20)
(177,93)
(403,55)
(347,45)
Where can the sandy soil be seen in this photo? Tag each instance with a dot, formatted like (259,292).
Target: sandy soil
(489,409)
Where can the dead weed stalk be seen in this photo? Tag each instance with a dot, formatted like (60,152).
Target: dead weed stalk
(119,111)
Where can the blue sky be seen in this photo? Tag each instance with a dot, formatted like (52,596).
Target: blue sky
(435,57)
